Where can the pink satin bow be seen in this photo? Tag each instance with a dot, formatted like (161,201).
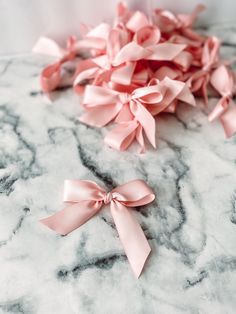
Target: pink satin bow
(104,104)
(135,120)
(222,81)
(134,112)
(209,58)
(86,198)
(50,77)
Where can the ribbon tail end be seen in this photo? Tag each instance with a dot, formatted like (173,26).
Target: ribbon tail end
(48,222)
(139,269)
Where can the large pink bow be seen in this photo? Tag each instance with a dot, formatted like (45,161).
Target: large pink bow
(134,112)
(103,105)
(86,198)
(136,119)
(223,83)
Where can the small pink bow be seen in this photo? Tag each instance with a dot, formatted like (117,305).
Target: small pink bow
(223,83)
(86,198)
(209,58)
(50,77)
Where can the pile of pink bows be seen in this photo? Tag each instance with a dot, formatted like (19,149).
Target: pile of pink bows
(138,68)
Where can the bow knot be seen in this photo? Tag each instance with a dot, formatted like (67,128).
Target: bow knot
(108,198)
(125,98)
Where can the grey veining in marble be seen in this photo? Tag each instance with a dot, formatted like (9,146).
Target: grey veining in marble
(191,227)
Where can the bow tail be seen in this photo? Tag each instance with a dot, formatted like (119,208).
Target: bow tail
(71,217)
(122,136)
(219,109)
(99,116)
(147,121)
(132,237)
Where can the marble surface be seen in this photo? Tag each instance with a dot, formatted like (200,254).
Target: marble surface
(191,227)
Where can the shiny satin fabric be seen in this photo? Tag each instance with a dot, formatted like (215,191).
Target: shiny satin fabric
(86,198)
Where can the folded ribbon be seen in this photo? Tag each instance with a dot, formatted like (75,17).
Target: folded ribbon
(86,198)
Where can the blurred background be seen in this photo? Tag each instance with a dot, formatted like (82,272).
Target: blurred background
(23,21)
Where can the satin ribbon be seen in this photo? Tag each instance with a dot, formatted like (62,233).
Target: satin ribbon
(225,110)
(86,198)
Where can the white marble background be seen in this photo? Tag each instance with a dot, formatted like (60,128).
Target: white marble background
(191,227)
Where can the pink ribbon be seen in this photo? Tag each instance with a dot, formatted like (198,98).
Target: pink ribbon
(223,83)
(86,198)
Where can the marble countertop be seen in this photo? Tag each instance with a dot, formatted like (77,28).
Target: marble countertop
(191,227)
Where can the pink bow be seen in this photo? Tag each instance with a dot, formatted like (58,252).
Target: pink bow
(103,105)
(169,22)
(136,118)
(134,112)
(86,198)
(50,77)
(210,56)
(222,81)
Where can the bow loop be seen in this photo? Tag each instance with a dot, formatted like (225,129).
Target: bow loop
(152,94)
(82,190)
(134,193)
